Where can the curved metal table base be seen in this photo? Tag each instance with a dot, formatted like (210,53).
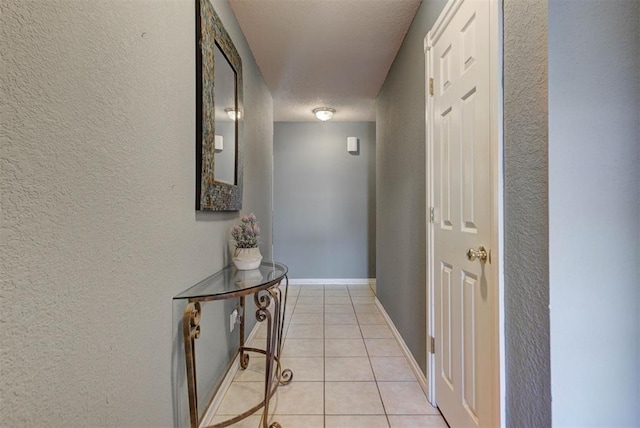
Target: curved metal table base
(282,377)
(271,303)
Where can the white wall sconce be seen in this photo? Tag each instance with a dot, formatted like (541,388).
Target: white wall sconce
(233,113)
(352,144)
(218,143)
(323,113)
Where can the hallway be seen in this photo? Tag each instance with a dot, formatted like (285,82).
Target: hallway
(100,232)
(349,371)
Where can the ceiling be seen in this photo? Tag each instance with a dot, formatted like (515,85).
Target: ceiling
(324,53)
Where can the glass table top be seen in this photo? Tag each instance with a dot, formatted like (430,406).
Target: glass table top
(231,282)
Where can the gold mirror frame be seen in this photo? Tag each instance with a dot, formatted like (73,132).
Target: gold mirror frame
(212,195)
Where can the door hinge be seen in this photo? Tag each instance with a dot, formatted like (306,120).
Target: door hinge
(431,86)
(432,215)
(432,345)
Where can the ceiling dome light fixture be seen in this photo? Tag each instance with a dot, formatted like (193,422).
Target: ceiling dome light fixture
(233,114)
(323,113)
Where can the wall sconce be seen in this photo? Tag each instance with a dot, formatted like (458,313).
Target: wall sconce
(323,113)
(233,113)
(218,143)
(352,144)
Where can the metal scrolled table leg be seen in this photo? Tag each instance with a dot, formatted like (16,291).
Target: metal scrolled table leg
(244,356)
(191,331)
(275,323)
(263,301)
(284,376)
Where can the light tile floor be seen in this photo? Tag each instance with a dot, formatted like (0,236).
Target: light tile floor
(349,371)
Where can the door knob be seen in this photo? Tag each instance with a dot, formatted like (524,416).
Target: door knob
(480,254)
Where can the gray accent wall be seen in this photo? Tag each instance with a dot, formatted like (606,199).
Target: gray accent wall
(401,186)
(401,207)
(99,230)
(526,215)
(594,207)
(571,207)
(324,197)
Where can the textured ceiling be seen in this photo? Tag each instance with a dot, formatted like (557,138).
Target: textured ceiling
(324,53)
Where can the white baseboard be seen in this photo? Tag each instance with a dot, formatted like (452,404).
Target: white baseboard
(422,379)
(207,418)
(333,281)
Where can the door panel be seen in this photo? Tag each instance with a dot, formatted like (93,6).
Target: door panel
(467,170)
(461,194)
(445,324)
(445,169)
(468,36)
(469,284)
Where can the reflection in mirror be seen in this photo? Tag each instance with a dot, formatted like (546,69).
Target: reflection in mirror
(225,126)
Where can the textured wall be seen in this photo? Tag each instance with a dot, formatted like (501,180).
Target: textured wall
(594,205)
(98,223)
(324,200)
(526,233)
(401,186)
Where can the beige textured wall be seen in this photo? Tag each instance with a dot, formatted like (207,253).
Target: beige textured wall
(98,226)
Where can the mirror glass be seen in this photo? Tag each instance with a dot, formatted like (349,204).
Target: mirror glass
(225,125)
(218,96)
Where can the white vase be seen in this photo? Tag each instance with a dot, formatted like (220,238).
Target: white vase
(247,258)
(248,277)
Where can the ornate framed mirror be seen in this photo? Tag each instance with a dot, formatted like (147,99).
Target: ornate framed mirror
(218,115)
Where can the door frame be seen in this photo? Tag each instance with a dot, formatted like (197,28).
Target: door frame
(497,205)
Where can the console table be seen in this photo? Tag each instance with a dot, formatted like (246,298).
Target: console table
(270,298)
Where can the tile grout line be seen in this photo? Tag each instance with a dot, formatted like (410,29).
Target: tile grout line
(368,356)
(324,363)
(370,365)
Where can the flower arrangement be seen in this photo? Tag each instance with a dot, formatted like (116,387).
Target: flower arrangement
(247,233)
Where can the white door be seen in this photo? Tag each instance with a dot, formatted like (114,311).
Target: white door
(464,291)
